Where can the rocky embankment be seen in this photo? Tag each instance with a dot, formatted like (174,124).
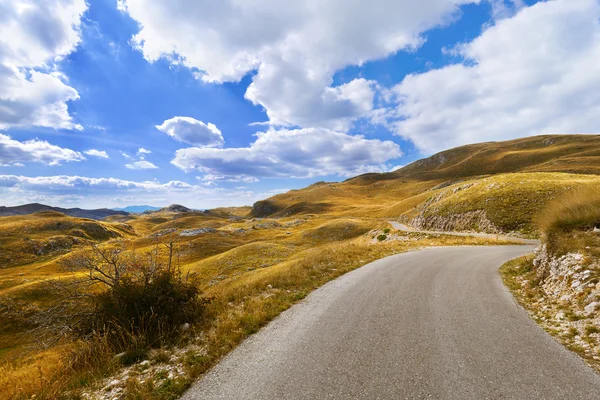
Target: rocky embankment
(563,294)
(473,221)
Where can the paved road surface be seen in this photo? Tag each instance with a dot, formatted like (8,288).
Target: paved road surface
(406,228)
(436,323)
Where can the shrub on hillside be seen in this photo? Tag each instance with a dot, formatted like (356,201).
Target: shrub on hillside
(129,300)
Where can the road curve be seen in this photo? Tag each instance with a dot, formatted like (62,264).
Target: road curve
(436,323)
(405,228)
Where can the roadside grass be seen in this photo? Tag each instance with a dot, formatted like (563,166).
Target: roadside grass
(568,221)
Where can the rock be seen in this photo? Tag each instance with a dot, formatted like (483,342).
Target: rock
(575,284)
(114,382)
(145,363)
(590,308)
(195,232)
(185,327)
(163,232)
(560,316)
(596,230)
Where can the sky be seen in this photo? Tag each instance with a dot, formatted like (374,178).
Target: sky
(208,103)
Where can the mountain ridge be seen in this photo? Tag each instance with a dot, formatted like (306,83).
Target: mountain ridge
(33,208)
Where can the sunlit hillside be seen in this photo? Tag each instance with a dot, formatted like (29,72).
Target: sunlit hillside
(252,263)
(508,181)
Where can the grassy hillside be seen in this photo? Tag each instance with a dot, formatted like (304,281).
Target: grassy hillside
(494,187)
(255,262)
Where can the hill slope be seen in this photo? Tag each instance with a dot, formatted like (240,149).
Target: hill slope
(421,192)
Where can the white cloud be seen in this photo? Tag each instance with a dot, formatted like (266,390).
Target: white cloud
(15,153)
(111,192)
(291,153)
(141,164)
(295,49)
(535,73)
(96,153)
(141,153)
(34,35)
(127,156)
(191,131)
(222,178)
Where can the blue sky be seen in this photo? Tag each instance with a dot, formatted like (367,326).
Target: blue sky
(211,103)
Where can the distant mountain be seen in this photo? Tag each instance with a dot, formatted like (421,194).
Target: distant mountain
(72,212)
(137,209)
(176,208)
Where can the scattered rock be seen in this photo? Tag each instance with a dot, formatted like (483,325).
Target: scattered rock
(195,232)
(163,232)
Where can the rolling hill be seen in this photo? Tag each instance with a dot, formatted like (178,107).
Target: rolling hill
(495,187)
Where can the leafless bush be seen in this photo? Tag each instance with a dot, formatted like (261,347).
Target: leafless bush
(129,298)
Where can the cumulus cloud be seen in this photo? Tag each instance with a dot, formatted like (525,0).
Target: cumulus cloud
(15,153)
(96,153)
(34,35)
(534,73)
(295,49)
(141,164)
(191,131)
(111,192)
(292,153)
(142,152)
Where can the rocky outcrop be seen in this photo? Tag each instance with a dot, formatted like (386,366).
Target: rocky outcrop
(196,232)
(476,221)
(564,297)
(569,279)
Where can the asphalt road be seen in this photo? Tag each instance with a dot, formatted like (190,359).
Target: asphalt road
(436,323)
(405,228)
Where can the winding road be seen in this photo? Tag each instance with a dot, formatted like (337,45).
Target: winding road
(436,323)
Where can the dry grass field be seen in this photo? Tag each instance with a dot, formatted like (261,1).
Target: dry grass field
(253,263)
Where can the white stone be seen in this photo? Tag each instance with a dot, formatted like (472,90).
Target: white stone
(575,284)
(560,316)
(590,308)
(565,297)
